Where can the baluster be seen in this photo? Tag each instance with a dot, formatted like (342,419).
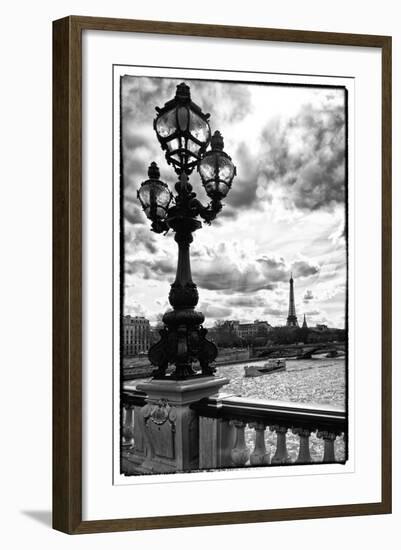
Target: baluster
(304,453)
(240,452)
(128,426)
(328,438)
(259,455)
(281,454)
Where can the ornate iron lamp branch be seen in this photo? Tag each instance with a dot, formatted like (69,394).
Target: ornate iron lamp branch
(184,133)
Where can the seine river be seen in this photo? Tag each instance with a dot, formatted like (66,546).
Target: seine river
(319,380)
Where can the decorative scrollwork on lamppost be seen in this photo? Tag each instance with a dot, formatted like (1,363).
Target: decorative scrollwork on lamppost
(184,134)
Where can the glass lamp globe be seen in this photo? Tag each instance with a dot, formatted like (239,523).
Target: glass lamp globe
(216,169)
(183,130)
(154,195)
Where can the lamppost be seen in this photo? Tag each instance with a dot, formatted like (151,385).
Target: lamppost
(184,134)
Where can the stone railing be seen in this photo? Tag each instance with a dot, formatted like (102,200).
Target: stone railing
(132,437)
(234,432)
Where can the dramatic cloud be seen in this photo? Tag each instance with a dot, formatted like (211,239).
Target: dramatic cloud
(135,310)
(273,268)
(243,193)
(233,101)
(308,296)
(302,268)
(142,94)
(233,268)
(332,292)
(133,212)
(273,311)
(337,237)
(301,158)
(312,313)
(285,212)
(305,156)
(215,311)
(228,268)
(246,301)
(140,239)
(151,268)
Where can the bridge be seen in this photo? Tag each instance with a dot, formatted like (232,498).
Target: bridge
(302,351)
(223,431)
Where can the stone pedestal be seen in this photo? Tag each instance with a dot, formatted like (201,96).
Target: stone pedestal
(170,426)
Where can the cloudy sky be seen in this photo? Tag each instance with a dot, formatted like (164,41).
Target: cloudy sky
(285,211)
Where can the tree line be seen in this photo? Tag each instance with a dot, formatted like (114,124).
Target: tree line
(224,335)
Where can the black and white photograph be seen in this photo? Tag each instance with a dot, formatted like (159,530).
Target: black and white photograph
(199,275)
(233,288)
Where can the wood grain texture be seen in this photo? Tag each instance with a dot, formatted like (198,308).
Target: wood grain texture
(226,31)
(386,275)
(67,274)
(67,279)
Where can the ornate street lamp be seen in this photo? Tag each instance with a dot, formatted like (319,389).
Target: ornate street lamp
(184,133)
(216,169)
(183,130)
(155,197)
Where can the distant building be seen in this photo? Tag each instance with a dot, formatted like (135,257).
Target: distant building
(233,333)
(292,320)
(304,324)
(251,330)
(230,326)
(136,335)
(321,328)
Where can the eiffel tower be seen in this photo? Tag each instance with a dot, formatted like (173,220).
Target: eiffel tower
(292,316)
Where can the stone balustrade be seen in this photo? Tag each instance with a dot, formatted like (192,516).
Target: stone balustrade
(234,432)
(132,436)
(236,416)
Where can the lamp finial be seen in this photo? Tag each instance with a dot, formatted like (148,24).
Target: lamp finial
(183,92)
(217,142)
(153,171)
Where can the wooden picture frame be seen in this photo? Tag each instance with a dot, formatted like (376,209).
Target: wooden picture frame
(67,273)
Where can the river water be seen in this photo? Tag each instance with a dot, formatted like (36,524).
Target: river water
(320,381)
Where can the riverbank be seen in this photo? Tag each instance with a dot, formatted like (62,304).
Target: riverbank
(136,368)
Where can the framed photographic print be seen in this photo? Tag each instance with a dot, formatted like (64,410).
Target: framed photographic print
(222,274)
